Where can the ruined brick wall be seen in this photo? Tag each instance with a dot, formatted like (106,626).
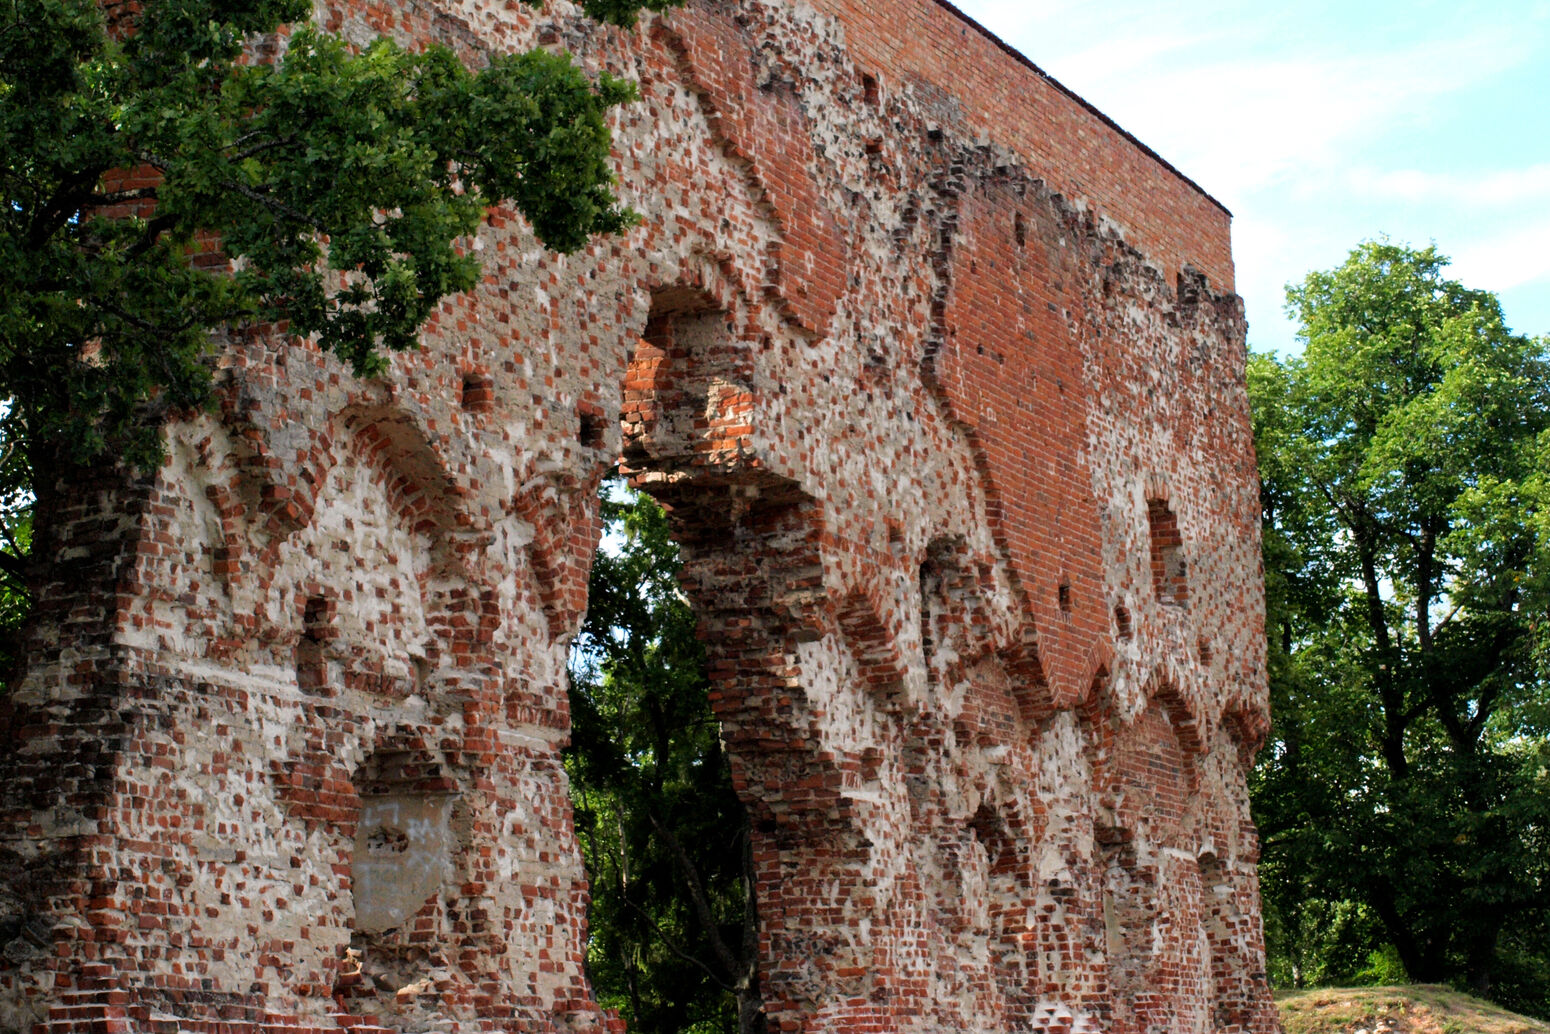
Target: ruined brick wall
(942,378)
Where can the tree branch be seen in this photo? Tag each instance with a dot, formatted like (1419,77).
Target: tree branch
(154,228)
(118,197)
(673,947)
(279,208)
(1391,693)
(68,199)
(14,567)
(702,909)
(257,149)
(140,323)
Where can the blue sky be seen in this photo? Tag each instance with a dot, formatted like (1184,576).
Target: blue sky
(1320,124)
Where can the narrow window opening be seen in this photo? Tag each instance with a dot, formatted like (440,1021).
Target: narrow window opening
(1122,624)
(317,620)
(1020,231)
(1064,594)
(1169,575)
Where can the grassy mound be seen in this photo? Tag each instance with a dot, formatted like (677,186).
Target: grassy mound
(1414,1009)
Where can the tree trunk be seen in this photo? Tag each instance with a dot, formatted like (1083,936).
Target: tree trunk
(1480,963)
(750,1009)
(1423,963)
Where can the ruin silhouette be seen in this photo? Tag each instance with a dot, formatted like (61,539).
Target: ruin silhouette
(940,374)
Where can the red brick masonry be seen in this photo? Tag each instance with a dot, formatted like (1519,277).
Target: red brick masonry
(942,378)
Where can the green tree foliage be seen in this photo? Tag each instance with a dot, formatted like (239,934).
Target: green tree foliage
(340,182)
(673,941)
(15,601)
(1404,797)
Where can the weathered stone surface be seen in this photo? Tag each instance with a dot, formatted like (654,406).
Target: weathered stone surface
(942,377)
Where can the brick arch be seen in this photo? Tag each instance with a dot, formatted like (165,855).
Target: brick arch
(1158,957)
(1010,826)
(1099,666)
(561,514)
(688,399)
(956,596)
(871,631)
(422,500)
(420,488)
(1247,726)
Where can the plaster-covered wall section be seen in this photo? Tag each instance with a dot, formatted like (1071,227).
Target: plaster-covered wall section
(941,382)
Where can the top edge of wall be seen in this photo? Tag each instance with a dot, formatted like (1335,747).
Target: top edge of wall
(1065,90)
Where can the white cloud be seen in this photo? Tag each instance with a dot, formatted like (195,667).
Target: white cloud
(1487,189)
(1506,260)
(1243,124)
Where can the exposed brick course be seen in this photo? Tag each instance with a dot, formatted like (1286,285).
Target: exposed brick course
(941,377)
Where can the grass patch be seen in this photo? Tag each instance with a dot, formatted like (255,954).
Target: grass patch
(1413,1009)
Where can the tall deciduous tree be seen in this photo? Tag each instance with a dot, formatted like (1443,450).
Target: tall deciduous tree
(1404,458)
(673,942)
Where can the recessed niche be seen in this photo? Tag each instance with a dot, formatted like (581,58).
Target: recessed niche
(478,393)
(317,628)
(403,842)
(402,860)
(1169,575)
(870,91)
(593,432)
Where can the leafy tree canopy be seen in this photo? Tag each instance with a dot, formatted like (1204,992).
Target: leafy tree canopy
(1404,797)
(339,183)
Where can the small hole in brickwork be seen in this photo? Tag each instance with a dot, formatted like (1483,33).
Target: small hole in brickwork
(387,839)
(869,88)
(478,393)
(1020,231)
(1204,648)
(316,618)
(592,434)
(989,830)
(1122,622)
(1065,596)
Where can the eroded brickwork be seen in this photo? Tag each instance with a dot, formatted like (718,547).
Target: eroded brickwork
(942,378)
